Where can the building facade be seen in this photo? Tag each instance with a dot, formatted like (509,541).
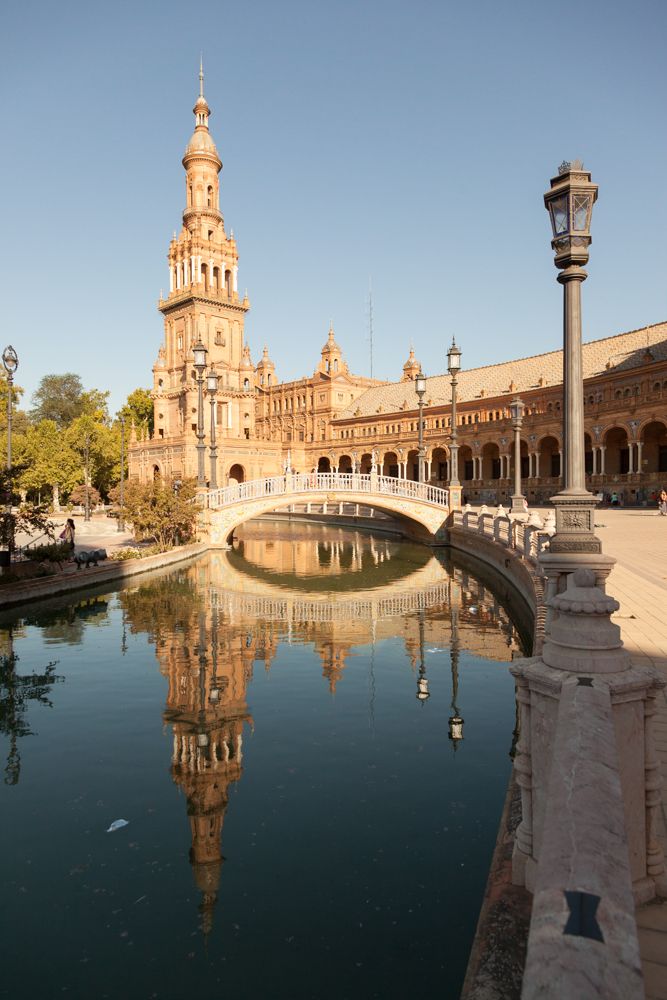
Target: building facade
(335,420)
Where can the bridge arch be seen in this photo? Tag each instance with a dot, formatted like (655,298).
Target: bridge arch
(420,509)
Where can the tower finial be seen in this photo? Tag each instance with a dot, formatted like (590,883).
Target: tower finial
(201,74)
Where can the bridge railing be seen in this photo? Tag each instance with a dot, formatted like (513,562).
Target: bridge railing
(325,482)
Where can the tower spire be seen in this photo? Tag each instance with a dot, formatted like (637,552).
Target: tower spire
(201,74)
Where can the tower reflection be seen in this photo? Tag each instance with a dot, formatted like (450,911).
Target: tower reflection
(212,621)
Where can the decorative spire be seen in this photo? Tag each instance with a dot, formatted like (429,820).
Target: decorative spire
(201,74)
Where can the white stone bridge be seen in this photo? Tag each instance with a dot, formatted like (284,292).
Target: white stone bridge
(421,509)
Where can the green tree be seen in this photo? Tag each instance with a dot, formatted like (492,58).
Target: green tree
(103,446)
(49,461)
(138,409)
(59,398)
(162,513)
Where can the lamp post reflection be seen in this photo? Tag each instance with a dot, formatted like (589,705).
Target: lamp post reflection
(455,720)
(422,680)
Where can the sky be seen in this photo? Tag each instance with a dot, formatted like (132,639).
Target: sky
(402,146)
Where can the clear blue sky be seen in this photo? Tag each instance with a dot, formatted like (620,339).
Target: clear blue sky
(407,142)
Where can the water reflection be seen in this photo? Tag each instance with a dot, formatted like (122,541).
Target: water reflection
(210,623)
(16,691)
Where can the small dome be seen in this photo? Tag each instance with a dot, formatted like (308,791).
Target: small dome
(201,142)
(331,346)
(411,367)
(266,361)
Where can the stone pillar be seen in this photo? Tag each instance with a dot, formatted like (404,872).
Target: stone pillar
(235,276)
(171,278)
(640,445)
(583,647)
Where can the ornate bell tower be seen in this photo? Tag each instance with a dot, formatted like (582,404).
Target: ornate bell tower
(203,301)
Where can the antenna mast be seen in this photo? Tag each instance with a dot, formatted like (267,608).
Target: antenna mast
(370,322)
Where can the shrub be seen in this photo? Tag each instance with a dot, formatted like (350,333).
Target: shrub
(162,514)
(55,552)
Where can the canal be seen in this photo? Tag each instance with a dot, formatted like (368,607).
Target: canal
(279,726)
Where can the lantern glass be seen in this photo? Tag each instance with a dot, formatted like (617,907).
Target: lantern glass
(516,409)
(581,211)
(200,353)
(559,215)
(420,384)
(212,381)
(453,359)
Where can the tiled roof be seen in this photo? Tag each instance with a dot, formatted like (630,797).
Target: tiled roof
(621,353)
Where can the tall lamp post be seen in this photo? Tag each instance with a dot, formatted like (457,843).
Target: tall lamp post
(454,367)
(420,389)
(212,386)
(569,202)
(200,352)
(517,408)
(121,516)
(86,473)
(10,363)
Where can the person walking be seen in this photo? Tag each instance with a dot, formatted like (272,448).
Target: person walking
(67,534)
(662,502)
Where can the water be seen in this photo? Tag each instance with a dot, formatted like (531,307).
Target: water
(300,824)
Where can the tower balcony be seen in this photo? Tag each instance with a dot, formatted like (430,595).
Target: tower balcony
(219,296)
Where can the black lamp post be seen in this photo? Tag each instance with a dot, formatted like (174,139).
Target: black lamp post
(517,407)
(10,363)
(200,352)
(212,386)
(121,517)
(86,453)
(454,367)
(420,389)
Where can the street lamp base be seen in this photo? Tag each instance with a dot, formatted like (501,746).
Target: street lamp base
(575,523)
(519,504)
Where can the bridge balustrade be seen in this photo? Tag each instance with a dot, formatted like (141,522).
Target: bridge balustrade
(326,482)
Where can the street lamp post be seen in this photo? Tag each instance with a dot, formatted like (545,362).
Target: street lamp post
(569,202)
(200,352)
(454,367)
(420,389)
(121,517)
(86,472)
(212,386)
(10,363)
(517,408)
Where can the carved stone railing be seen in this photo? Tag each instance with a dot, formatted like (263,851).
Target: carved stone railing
(327,482)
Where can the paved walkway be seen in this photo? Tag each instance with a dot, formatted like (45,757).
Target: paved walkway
(637,539)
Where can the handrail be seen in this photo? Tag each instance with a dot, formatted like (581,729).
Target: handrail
(325,482)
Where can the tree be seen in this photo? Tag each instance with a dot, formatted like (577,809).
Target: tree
(27,518)
(59,398)
(138,409)
(48,460)
(86,433)
(162,512)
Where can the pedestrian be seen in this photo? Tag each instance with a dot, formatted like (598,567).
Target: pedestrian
(67,534)
(614,499)
(662,502)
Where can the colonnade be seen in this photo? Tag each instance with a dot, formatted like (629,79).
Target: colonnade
(189,271)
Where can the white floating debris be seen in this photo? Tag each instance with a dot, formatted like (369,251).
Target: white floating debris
(118,824)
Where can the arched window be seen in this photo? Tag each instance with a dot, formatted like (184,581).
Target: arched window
(261,380)
(246,384)
(335,364)
(268,380)
(209,196)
